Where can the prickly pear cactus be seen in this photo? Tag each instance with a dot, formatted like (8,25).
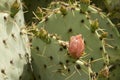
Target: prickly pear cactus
(50,56)
(14,48)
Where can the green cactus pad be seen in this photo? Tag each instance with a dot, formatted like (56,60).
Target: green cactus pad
(102,47)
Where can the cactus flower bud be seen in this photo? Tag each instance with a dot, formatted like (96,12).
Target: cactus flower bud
(76,46)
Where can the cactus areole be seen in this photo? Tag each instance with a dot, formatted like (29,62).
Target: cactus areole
(76,46)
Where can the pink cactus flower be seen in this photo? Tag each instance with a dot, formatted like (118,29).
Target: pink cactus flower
(76,46)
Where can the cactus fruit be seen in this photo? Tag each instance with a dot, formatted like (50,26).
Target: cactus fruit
(76,46)
(14,48)
(101,39)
